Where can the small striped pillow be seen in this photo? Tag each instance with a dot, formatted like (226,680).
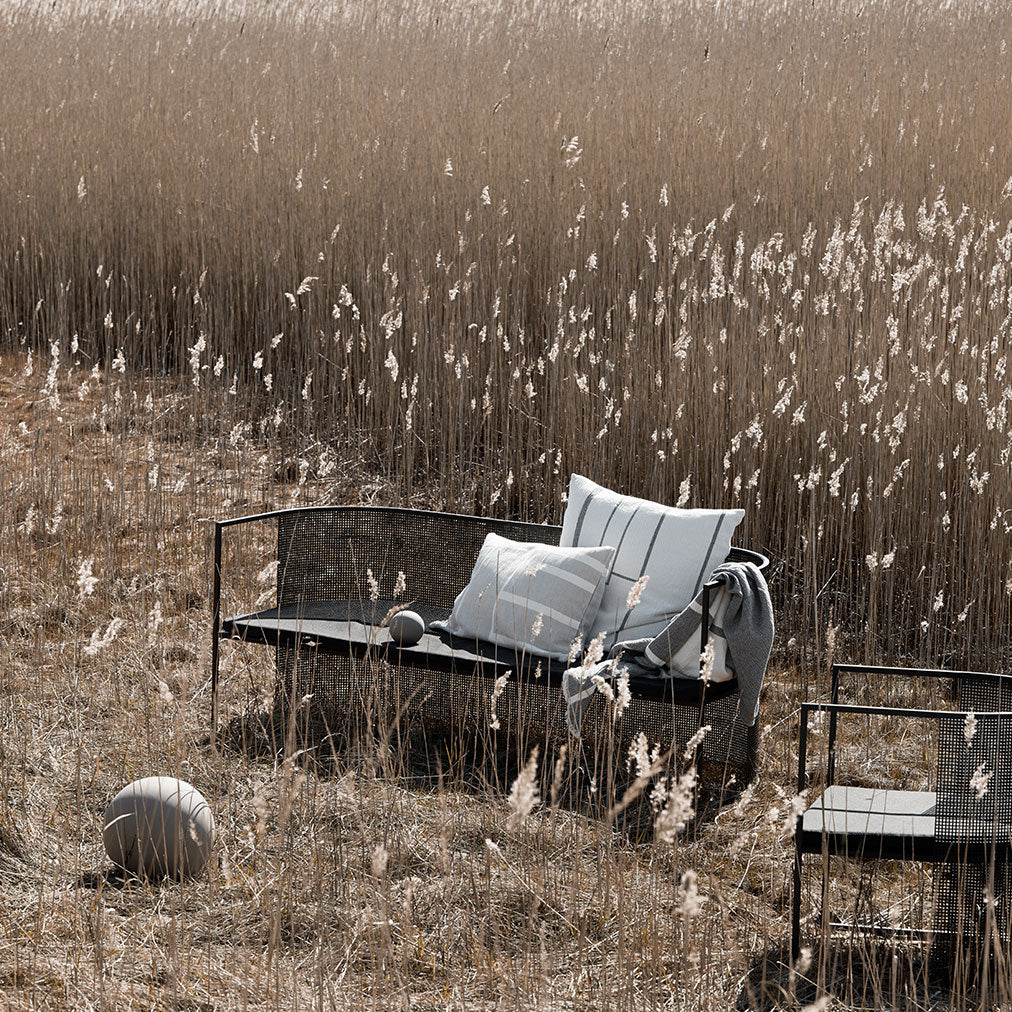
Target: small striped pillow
(536,597)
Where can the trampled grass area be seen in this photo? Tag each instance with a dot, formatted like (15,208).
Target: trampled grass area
(444,256)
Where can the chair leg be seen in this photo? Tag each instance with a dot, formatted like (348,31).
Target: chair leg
(796,906)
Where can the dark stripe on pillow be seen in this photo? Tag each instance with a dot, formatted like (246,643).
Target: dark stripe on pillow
(618,547)
(643,567)
(622,576)
(580,518)
(607,524)
(706,568)
(653,541)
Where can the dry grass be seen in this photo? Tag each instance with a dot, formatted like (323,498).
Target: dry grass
(746,255)
(339,882)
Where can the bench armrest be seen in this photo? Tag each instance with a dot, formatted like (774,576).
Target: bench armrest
(760,561)
(219,527)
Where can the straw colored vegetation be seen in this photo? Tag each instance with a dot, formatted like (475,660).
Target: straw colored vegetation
(443,255)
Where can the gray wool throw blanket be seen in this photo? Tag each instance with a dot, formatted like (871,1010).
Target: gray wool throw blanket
(741,633)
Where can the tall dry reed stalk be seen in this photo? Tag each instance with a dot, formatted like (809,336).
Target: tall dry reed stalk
(656,244)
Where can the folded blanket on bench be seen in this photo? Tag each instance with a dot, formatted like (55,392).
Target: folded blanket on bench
(741,625)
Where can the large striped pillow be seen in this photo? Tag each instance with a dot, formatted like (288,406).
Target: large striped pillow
(675,549)
(539,598)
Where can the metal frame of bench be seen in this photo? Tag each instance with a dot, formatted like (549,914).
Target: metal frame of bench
(325,622)
(969,836)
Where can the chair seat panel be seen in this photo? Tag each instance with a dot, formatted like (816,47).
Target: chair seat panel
(871,823)
(886,801)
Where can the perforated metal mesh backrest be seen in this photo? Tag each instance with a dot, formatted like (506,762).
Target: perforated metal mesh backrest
(969,808)
(324,554)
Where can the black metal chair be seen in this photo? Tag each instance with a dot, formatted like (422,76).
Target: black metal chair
(329,641)
(963,827)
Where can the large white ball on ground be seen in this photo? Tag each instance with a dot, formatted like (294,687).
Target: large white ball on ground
(159,826)
(407,628)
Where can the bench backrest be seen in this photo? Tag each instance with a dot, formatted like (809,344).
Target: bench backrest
(324,553)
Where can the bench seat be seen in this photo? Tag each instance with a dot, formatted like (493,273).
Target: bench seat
(354,628)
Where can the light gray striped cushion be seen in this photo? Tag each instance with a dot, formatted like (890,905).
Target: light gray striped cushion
(677,549)
(516,583)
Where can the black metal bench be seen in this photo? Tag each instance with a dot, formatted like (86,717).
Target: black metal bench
(963,826)
(326,627)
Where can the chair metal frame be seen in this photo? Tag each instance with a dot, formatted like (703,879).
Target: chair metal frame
(955,839)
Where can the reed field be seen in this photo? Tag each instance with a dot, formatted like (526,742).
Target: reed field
(443,255)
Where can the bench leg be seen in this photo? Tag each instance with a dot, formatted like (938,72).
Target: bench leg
(215,628)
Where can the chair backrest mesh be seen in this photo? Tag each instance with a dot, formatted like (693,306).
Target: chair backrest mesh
(975,770)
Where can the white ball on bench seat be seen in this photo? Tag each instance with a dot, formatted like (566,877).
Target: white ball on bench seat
(407,628)
(159,826)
